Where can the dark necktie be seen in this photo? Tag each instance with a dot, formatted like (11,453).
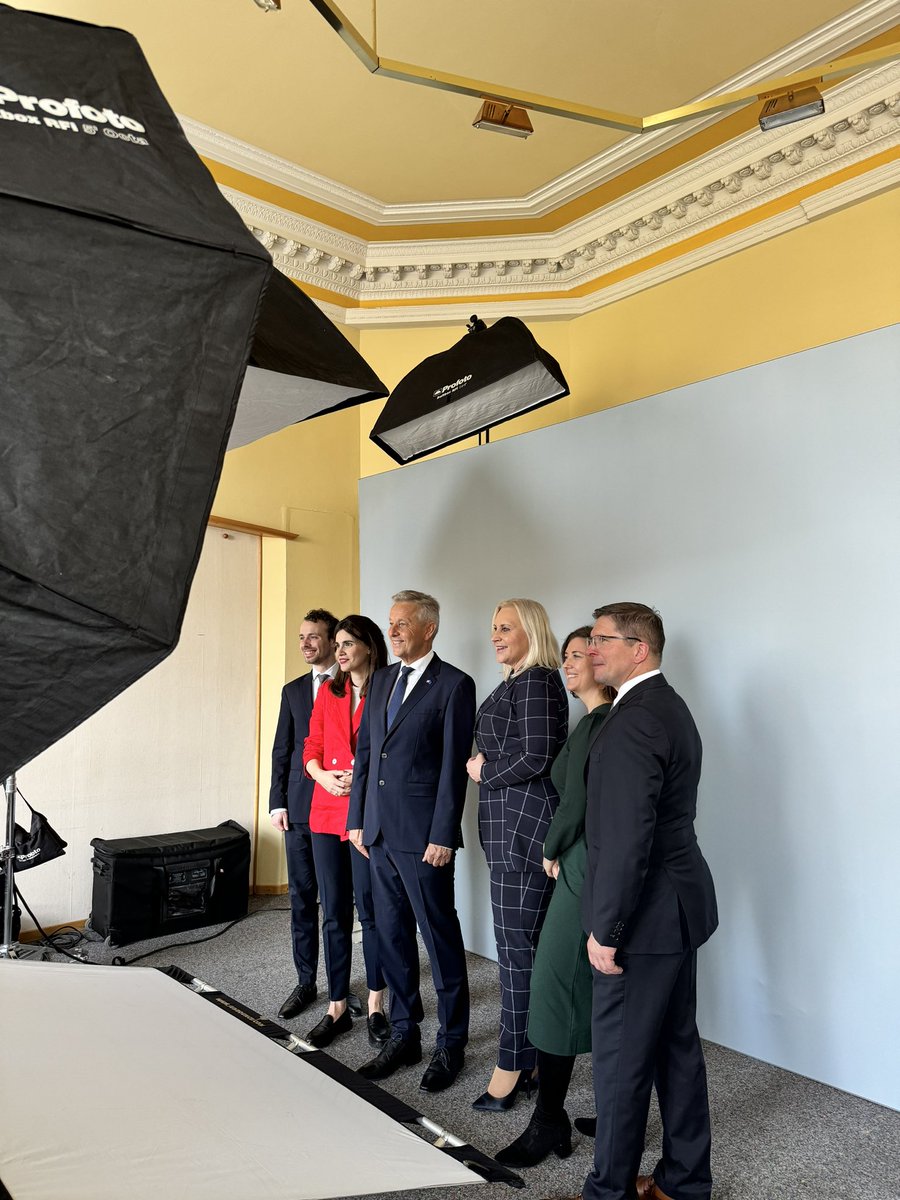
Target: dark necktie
(320,679)
(398,695)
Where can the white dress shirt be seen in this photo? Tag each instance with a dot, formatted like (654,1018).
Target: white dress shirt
(629,683)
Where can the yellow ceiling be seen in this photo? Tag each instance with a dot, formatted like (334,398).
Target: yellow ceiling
(285,83)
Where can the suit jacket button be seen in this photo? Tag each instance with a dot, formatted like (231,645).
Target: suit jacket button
(381,783)
(383,755)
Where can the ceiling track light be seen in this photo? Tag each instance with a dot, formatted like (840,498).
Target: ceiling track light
(268,5)
(797,104)
(462,85)
(503,118)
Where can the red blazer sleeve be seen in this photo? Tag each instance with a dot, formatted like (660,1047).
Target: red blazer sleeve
(314,745)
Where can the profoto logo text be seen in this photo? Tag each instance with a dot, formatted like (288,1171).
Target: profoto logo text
(63,114)
(449,390)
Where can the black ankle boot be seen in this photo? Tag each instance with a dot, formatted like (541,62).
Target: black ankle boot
(542,1136)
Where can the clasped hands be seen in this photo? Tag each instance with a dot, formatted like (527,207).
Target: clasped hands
(336,783)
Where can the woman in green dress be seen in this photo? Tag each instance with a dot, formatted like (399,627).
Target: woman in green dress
(559,1017)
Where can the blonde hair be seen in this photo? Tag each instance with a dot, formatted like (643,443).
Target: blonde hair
(542,645)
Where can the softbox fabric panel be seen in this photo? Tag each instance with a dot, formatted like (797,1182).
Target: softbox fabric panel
(129,299)
(487,377)
(301,366)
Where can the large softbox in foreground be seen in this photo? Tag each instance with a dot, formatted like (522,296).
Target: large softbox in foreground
(130,292)
(489,376)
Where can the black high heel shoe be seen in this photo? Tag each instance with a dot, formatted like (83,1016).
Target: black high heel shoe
(542,1136)
(487,1103)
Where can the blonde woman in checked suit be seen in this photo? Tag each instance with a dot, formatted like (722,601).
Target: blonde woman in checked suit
(519,730)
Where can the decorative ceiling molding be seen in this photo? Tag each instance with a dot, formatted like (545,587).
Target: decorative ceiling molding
(881,179)
(841,35)
(863,120)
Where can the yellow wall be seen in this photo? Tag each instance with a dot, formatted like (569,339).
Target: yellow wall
(303,480)
(831,279)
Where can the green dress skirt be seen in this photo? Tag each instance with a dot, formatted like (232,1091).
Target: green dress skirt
(559,1018)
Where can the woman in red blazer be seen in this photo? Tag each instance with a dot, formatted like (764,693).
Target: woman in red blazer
(343,875)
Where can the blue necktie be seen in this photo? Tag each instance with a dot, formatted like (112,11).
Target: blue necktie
(398,695)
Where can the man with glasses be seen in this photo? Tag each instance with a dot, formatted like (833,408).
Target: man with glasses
(290,797)
(649,902)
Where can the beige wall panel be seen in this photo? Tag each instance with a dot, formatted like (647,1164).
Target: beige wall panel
(177,750)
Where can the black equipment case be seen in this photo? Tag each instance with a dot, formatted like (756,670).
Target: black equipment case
(145,887)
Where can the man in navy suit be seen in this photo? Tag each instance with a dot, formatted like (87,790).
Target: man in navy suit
(289,801)
(649,902)
(409,788)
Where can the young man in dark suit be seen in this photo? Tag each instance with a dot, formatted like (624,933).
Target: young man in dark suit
(409,788)
(289,800)
(649,903)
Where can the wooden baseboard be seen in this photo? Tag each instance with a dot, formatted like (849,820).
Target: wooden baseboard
(32,935)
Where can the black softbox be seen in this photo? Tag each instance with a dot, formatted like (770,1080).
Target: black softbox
(130,290)
(301,366)
(489,376)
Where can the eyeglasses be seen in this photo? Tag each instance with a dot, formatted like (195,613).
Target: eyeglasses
(600,639)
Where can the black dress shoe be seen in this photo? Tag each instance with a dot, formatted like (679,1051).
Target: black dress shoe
(379,1030)
(542,1136)
(395,1053)
(488,1103)
(329,1028)
(301,997)
(446,1063)
(354,1004)
(587,1126)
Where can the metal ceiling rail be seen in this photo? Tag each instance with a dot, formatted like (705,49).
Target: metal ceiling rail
(848,64)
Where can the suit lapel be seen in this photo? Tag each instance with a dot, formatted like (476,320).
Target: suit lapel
(631,695)
(419,692)
(610,716)
(306,692)
(391,674)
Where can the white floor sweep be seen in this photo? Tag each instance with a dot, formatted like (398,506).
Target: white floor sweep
(120,1084)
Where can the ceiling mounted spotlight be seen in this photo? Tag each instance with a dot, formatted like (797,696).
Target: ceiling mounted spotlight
(503,118)
(513,100)
(787,107)
(268,5)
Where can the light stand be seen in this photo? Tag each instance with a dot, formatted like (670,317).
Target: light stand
(9,948)
(7,858)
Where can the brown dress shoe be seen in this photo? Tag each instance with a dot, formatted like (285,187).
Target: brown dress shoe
(646,1189)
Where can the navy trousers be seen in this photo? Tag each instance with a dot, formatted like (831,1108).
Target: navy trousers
(304,894)
(408,892)
(344,876)
(644,1032)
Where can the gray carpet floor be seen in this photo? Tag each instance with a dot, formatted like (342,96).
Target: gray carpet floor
(776,1135)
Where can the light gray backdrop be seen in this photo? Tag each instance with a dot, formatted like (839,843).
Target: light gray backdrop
(759,513)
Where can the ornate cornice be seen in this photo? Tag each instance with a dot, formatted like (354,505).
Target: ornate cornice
(566,307)
(844,33)
(863,120)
